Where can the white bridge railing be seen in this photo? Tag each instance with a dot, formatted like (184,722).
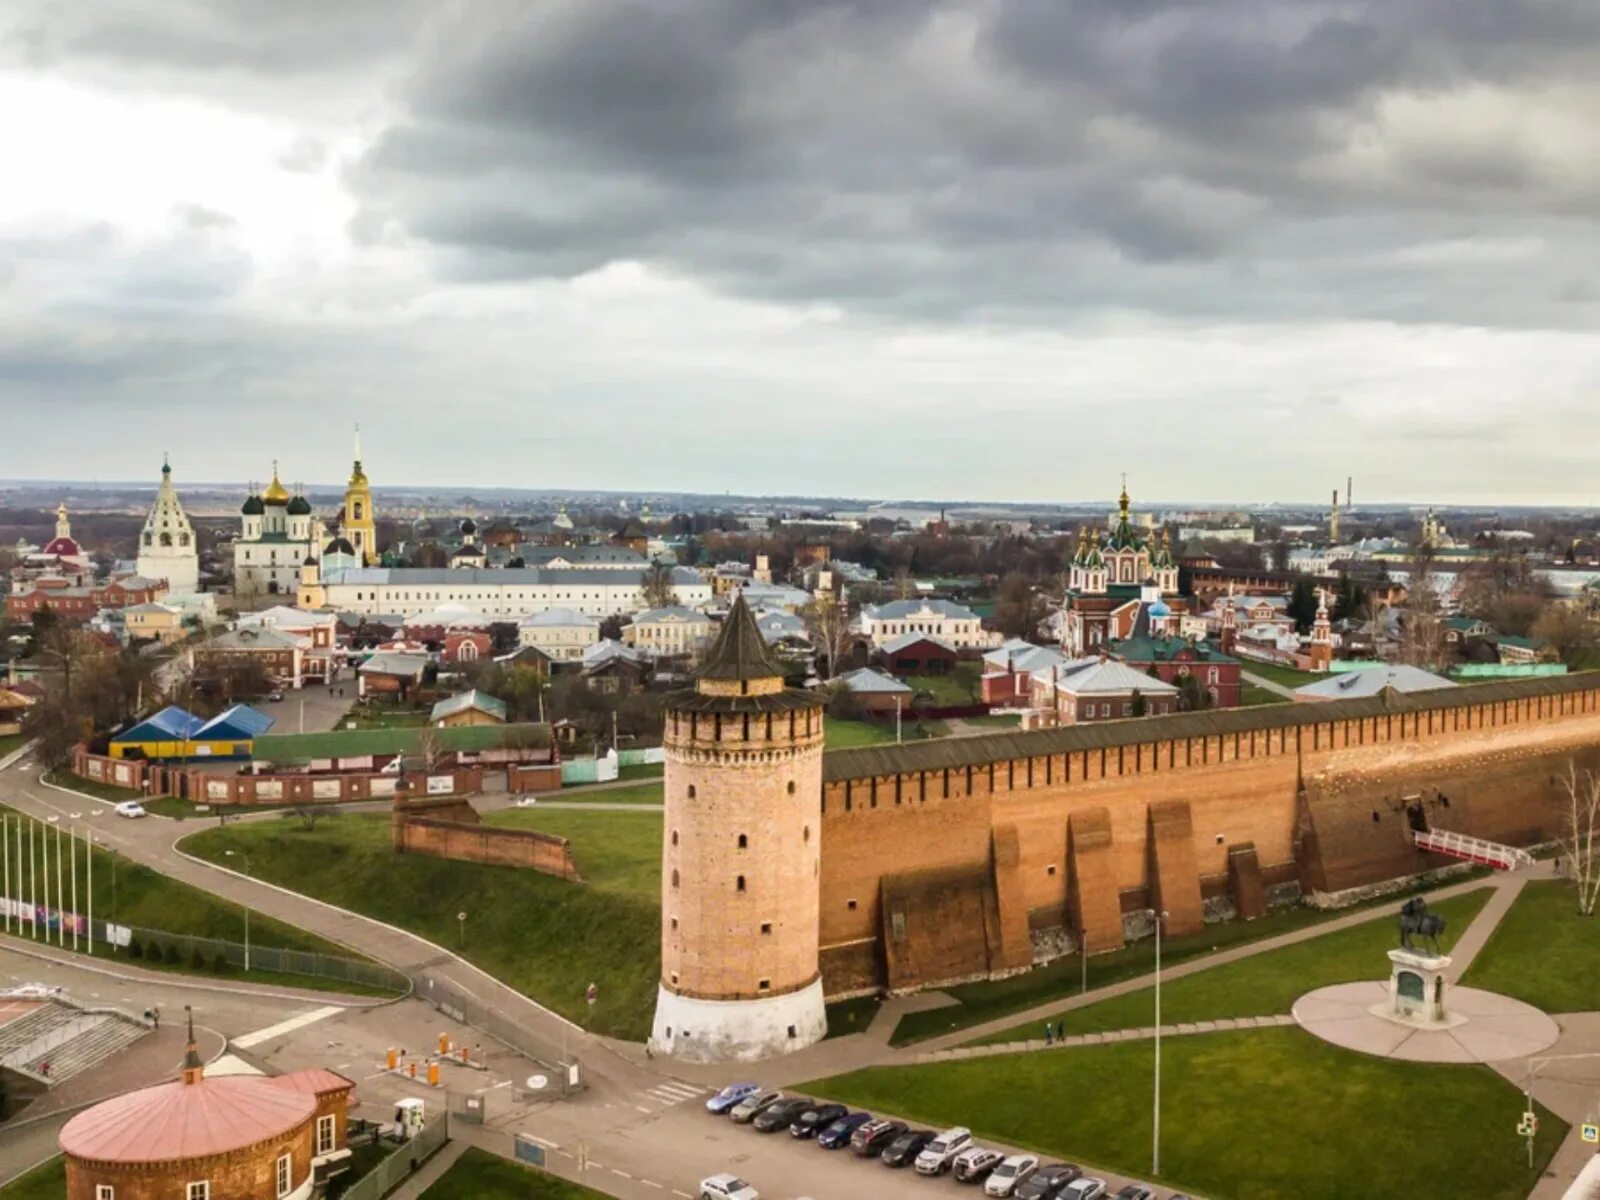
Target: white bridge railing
(1472,849)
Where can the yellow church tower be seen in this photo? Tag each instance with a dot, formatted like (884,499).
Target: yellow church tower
(358,526)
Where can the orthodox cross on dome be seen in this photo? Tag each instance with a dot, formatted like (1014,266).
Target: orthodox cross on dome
(166,463)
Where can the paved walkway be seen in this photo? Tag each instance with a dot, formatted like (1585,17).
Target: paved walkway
(1147,1033)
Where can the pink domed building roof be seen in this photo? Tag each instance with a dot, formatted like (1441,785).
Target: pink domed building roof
(186,1120)
(62,547)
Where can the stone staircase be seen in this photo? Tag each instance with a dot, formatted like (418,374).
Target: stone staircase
(97,1038)
(66,1038)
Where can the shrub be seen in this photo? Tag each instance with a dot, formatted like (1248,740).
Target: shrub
(135,950)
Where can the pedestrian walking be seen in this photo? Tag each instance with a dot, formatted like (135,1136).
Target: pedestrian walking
(1558,864)
(1049,1033)
(155,1016)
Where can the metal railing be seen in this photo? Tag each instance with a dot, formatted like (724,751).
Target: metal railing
(407,1157)
(1472,849)
(227,957)
(560,1068)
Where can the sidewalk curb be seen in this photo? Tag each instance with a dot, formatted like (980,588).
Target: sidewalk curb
(15,756)
(110,804)
(450,954)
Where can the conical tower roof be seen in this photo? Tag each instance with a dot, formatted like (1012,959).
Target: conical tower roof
(740,652)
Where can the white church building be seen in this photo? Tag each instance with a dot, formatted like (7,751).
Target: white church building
(167,548)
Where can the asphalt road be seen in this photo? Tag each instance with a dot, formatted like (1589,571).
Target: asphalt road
(639,1123)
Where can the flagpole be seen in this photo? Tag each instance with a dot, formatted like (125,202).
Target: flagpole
(5,854)
(72,857)
(88,884)
(61,895)
(33,883)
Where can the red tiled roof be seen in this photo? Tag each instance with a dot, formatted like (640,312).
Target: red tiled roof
(186,1120)
(314,1081)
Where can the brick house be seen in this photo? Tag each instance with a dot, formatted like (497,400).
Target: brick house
(465,645)
(1099,689)
(283,655)
(236,1137)
(1170,659)
(1007,672)
(78,604)
(918,654)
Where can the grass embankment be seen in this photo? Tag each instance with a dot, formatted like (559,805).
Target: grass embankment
(90,787)
(637,793)
(127,893)
(1251,694)
(954,690)
(479,1175)
(852,1016)
(48,1181)
(1267,1114)
(544,936)
(642,771)
(989,1000)
(1285,676)
(1543,952)
(842,734)
(1262,985)
(10,742)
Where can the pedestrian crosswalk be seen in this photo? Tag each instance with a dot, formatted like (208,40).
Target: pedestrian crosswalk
(669,1093)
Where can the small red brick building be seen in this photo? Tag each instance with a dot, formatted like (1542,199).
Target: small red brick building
(1169,659)
(918,654)
(237,1137)
(78,604)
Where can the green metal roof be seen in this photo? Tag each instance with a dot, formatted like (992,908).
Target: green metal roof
(353,743)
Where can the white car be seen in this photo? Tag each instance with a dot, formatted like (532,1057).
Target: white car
(129,808)
(938,1154)
(1011,1171)
(1086,1188)
(727,1187)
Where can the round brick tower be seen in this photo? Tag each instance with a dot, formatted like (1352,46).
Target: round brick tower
(740,859)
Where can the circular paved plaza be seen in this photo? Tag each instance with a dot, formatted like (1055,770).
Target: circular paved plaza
(1495,1027)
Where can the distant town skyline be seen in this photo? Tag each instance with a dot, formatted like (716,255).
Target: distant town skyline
(891,249)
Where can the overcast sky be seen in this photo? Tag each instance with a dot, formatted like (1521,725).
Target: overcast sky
(1002,250)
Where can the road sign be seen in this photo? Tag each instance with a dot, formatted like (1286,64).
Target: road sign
(1591,1133)
(1529,1125)
(528,1150)
(538,1082)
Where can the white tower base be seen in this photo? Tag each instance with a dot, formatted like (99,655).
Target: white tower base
(738,1030)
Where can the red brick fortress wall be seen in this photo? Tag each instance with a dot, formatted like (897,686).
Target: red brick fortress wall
(1113,818)
(449,827)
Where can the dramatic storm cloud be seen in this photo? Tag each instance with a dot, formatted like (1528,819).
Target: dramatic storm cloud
(994,250)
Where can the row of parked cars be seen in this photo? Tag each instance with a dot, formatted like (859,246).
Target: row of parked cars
(896,1144)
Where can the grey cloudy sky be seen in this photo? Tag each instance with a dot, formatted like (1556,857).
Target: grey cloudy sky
(1001,249)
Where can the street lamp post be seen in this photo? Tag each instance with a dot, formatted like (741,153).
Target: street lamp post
(1155,1124)
(245,858)
(461,929)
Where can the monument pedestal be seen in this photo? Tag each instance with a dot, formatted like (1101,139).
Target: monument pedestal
(1417,988)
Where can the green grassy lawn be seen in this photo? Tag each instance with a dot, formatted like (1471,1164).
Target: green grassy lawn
(90,787)
(957,688)
(1251,694)
(46,1182)
(382,716)
(1543,952)
(8,743)
(1261,986)
(988,1000)
(298,747)
(842,734)
(545,936)
(637,793)
(851,1016)
(1286,676)
(137,896)
(1267,1114)
(642,771)
(479,1175)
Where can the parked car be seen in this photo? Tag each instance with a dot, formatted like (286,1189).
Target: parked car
(727,1187)
(751,1107)
(1136,1191)
(1008,1174)
(781,1115)
(938,1154)
(724,1101)
(874,1136)
(837,1136)
(1085,1188)
(973,1164)
(129,808)
(1047,1182)
(814,1120)
(904,1149)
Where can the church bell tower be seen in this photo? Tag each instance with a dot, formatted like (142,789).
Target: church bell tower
(358,526)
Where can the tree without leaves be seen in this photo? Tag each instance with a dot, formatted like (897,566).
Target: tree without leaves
(1580,848)
(657,586)
(828,623)
(1569,632)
